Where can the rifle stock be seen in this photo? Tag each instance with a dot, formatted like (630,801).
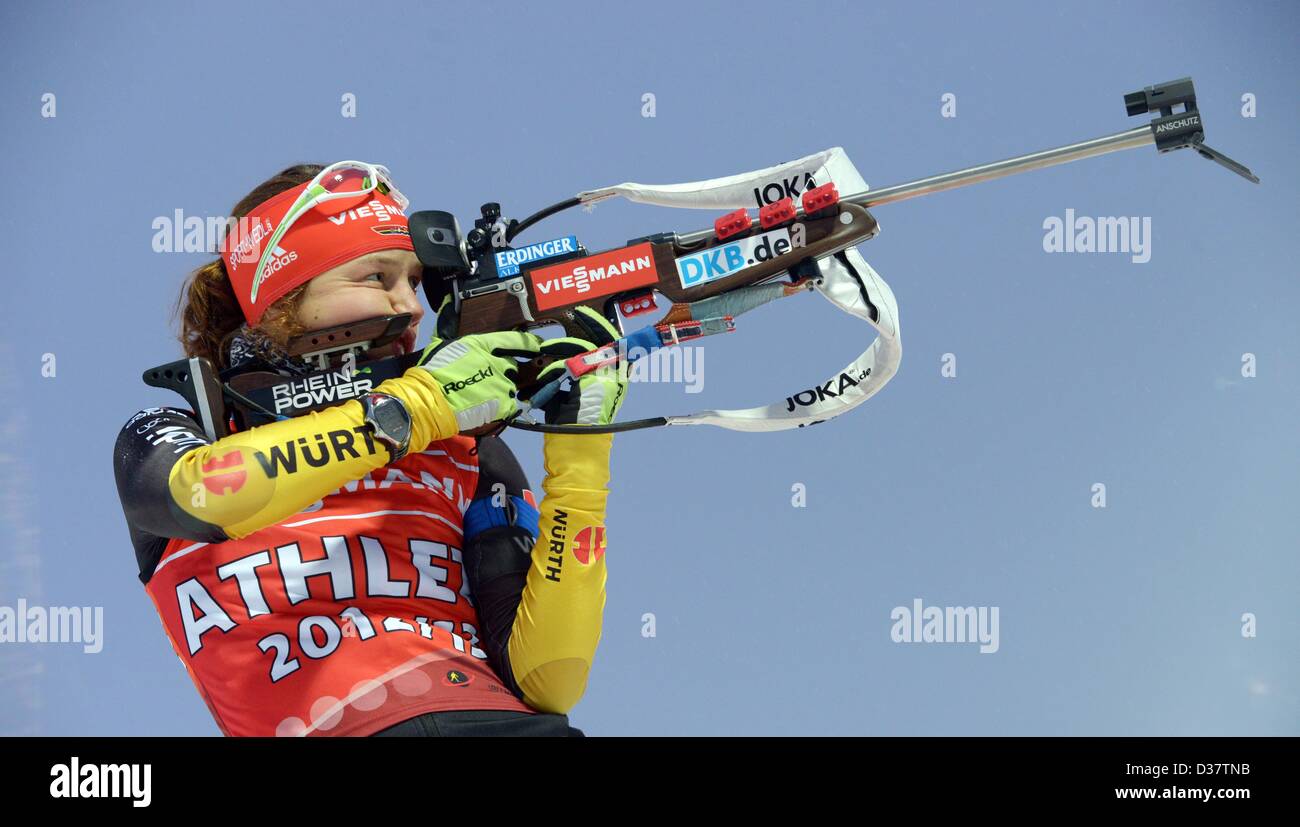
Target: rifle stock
(817,236)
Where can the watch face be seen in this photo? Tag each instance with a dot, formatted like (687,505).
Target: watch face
(390,417)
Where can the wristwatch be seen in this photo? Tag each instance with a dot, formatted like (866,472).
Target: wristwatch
(391,422)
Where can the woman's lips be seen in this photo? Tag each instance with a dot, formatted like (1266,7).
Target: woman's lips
(406,342)
(402,345)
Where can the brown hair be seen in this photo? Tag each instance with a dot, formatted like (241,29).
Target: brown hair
(208,310)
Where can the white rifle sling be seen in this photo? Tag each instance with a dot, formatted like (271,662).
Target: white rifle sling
(847,281)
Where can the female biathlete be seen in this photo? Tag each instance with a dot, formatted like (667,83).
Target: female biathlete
(378,567)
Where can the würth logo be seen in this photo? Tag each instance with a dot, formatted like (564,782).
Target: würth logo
(589,544)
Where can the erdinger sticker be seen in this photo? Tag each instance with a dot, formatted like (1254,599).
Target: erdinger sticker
(508,261)
(589,544)
(597,275)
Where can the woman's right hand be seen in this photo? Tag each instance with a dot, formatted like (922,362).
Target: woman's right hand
(477,373)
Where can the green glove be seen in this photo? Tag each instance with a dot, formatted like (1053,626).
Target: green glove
(594,399)
(477,373)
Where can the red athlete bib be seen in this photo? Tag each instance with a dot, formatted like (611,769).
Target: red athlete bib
(346,618)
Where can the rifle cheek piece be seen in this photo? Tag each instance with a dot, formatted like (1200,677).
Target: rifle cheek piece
(439,246)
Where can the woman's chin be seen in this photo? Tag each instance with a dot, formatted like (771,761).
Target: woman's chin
(385,352)
(400,346)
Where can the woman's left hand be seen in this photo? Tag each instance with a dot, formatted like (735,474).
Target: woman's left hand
(594,399)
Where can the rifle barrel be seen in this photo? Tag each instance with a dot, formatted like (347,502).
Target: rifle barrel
(1138,136)
(1130,139)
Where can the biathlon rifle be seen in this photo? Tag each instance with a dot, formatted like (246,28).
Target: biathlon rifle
(710,276)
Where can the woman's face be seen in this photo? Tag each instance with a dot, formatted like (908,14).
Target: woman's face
(376,284)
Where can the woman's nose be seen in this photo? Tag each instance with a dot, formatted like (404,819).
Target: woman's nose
(406,300)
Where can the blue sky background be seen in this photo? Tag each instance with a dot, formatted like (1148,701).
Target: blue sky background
(972,491)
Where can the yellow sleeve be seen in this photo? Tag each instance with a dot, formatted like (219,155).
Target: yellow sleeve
(558,624)
(256,478)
